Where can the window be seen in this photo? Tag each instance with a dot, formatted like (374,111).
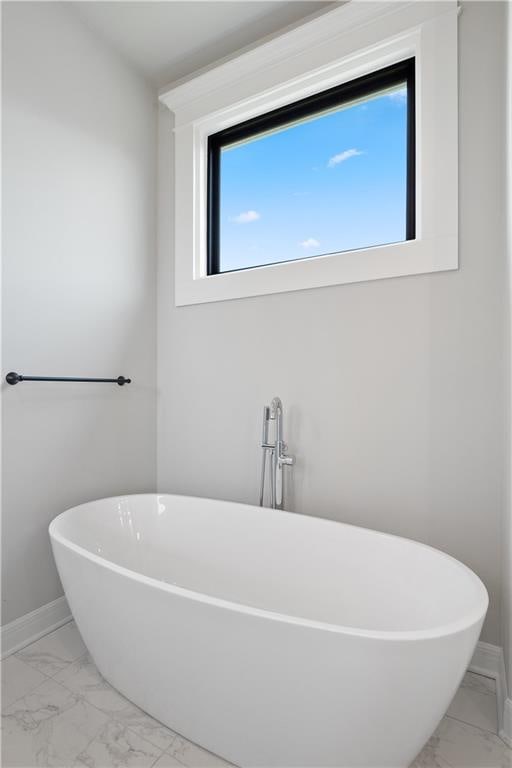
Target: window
(325,156)
(330,173)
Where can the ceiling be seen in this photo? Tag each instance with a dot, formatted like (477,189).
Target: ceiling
(170,39)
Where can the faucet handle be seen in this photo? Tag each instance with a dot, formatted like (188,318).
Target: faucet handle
(264,433)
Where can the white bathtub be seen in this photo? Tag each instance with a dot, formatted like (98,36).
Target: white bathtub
(270,638)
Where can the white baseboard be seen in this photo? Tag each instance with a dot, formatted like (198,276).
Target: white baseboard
(488,660)
(25,630)
(506,731)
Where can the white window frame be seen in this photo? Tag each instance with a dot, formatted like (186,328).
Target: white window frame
(348,42)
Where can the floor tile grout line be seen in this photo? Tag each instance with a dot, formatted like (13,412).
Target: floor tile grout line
(78,699)
(109,718)
(480,674)
(145,738)
(118,721)
(113,719)
(26,648)
(77,757)
(163,752)
(33,690)
(177,758)
(471,725)
(198,746)
(50,677)
(42,637)
(450,765)
(487,730)
(186,765)
(478,693)
(27,664)
(68,665)
(19,649)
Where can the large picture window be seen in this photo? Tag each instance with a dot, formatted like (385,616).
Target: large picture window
(331,173)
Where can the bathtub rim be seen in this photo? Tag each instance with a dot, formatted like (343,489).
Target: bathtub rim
(443,630)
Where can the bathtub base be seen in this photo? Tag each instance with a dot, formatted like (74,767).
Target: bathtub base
(259,692)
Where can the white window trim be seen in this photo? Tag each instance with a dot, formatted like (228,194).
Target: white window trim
(338,46)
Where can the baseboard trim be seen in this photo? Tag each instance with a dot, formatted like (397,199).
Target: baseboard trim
(488,660)
(29,628)
(506,731)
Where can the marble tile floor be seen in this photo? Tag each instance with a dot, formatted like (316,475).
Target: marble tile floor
(57,710)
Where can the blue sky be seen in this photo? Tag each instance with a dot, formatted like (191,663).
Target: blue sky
(333,183)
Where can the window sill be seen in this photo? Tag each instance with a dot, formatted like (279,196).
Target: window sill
(411,257)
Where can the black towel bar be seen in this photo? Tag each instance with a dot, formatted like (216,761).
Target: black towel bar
(15,378)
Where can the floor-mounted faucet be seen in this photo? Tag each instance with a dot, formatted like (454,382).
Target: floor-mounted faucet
(276,451)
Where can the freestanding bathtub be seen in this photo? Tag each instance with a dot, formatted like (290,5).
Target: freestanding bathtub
(270,638)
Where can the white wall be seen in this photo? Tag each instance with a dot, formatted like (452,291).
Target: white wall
(79,136)
(393,390)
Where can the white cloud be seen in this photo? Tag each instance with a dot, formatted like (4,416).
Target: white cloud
(342,156)
(398,96)
(246,217)
(310,243)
